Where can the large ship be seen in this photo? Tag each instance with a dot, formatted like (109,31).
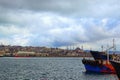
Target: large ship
(101,66)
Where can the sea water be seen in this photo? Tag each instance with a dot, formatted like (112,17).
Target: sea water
(47,68)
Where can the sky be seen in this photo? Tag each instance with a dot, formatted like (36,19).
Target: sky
(60,23)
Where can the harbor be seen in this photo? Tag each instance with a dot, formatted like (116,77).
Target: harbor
(88,63)
(59,40)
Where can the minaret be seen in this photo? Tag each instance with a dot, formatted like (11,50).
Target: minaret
(82,47)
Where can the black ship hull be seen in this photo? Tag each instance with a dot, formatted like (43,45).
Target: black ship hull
(116,65)
(100,55)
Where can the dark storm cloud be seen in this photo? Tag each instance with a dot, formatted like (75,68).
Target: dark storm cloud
(39,5)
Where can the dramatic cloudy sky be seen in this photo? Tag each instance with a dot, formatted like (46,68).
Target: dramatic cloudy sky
(60,23)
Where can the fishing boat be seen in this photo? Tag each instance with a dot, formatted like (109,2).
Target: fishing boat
(100,63)
(100,66)
(103,54)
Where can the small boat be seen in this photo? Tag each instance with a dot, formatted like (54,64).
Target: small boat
(116,65)
(100,66)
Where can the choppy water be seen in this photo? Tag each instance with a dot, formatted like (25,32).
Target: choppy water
(47,69)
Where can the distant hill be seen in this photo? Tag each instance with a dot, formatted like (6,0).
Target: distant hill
(116,52)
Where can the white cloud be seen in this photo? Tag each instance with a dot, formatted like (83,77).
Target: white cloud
(49,29)
(17,40)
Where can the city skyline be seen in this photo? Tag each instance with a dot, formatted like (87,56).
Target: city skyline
(60,23)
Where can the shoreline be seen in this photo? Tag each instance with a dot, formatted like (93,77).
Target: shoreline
(48,56)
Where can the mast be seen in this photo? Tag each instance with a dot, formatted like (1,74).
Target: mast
(114,48)
(108,53)
(110,48)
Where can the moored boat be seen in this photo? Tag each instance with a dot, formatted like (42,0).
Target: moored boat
(99,66)
(101,61)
